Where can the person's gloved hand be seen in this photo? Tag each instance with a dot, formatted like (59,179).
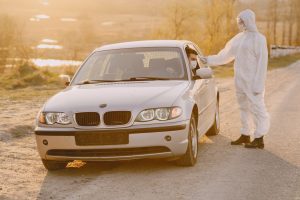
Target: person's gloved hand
(203,59)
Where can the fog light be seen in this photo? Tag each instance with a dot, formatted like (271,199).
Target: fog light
(45,142)
(168,138)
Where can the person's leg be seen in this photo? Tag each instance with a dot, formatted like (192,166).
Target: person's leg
(244,112)
(261,120)
(260,115)
(244,116)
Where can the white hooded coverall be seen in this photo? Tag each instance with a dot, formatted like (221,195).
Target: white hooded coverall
(249,50)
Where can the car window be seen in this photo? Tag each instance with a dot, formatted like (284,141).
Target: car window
(125,64)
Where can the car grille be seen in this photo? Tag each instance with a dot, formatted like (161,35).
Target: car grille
(87,119)
(107,152)
(117,117)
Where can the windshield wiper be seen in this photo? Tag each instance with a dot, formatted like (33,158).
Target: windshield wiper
(95,81)
(141,78)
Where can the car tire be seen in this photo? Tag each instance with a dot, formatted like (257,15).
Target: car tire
(54,165)
(190,156)
(215,128)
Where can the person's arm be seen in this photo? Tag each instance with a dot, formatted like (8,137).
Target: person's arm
(261,51)
(225,56)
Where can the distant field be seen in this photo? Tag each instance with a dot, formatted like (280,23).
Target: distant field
(113,21)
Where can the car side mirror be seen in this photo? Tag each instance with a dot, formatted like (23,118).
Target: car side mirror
(66,79)
(204,73)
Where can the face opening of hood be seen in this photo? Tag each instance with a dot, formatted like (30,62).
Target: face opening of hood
(248,17)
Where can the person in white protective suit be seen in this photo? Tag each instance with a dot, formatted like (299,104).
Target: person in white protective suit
(249,50)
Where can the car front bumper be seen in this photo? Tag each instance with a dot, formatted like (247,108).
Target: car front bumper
(145,141)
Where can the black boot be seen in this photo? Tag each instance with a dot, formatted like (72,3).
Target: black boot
(256,143)
(242,139)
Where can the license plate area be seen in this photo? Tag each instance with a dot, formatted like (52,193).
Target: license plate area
(101,138)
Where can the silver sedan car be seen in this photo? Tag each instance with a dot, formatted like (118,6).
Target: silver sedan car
(144,99)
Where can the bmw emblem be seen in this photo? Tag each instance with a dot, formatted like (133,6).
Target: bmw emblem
(103,105)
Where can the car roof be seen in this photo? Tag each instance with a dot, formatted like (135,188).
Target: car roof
(144,43)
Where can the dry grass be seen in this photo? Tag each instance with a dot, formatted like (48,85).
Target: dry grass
(18,110)
(21,131)
(223,71)
(283,61)
(29,93)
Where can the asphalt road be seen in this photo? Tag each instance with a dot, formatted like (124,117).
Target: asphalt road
(222,172)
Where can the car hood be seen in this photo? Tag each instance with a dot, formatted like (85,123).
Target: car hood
(117,96)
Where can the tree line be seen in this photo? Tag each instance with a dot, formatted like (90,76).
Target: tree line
(211,23)
(284,16)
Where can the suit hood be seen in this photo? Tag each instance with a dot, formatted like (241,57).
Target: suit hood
(248,17)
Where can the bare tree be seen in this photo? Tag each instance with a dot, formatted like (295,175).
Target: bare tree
(219,23)
(73,43)
(78,39)
(229,9)
(23,50)
(291,19)
(274,18)
(178,17)
(297,18)
(7,37)
(284,22)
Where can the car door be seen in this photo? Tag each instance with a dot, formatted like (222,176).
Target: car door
(200,95)
(211,95)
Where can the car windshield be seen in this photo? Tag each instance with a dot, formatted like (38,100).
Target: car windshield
(132,64)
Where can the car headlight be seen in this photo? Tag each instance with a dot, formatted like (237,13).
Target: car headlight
(54,117)
(146,115)
(175,112)
(160,114)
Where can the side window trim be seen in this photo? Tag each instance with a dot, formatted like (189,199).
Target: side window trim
(188,63)
(196,48)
